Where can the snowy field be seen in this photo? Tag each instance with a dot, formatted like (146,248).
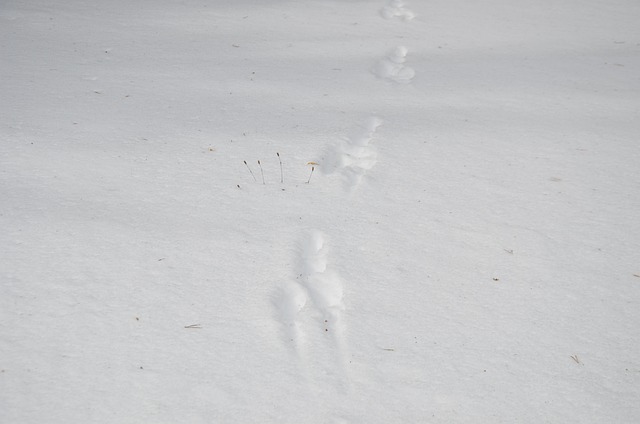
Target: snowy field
(448,230)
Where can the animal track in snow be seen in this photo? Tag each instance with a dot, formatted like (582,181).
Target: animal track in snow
(396,9)
(317,287)
(310,308)
(393,68)
(322,284)
(290,302)
(354,156)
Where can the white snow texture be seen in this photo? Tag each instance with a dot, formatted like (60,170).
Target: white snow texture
(319,211)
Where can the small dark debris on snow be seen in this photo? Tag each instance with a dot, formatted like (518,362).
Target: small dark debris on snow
(193,326)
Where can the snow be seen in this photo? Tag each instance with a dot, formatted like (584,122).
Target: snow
(466,249)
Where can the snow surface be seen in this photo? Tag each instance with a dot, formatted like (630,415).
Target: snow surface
(467,249)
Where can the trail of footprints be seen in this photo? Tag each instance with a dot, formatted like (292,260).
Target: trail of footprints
(312,305)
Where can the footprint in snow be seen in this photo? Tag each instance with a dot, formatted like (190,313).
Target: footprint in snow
(290,301)
(393,68)
(396,9)
(317,289)
(321,283)
(353,157)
